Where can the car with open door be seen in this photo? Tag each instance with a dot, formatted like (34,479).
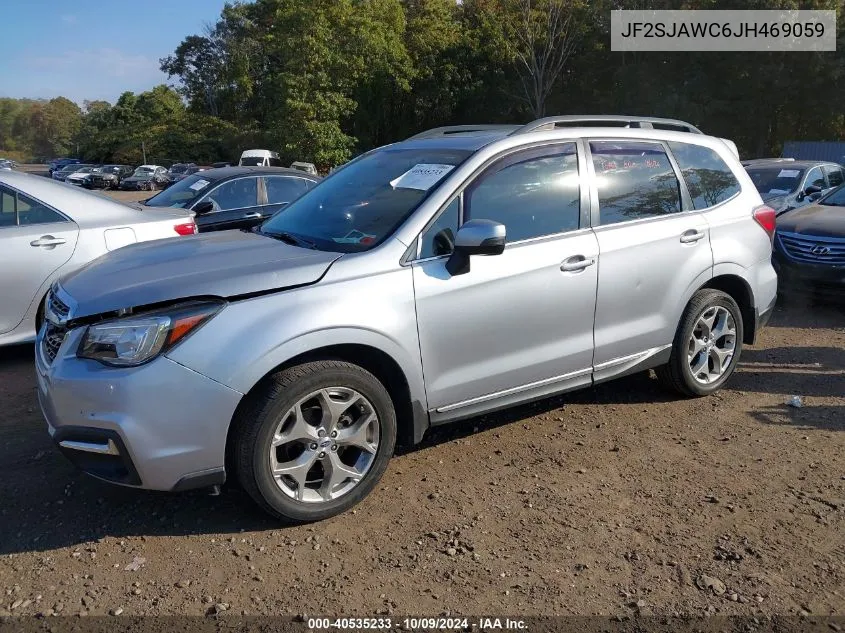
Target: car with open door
(235,197)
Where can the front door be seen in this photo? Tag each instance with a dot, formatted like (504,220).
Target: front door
(519,324)
(235,203)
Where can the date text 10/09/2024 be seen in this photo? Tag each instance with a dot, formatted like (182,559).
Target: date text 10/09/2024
(413,624)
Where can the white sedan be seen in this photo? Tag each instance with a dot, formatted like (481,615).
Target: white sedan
(49,229)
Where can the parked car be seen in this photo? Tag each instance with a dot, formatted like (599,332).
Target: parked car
(809,249)
(7,165)
(177,169)
(78,177)
(59,163)
(787,184)
(182,173)
(260,158)
(424,282)
(67,170)
(147,178)
(107,177)
(221,164)
(309,168)
(48,230)
(235,197)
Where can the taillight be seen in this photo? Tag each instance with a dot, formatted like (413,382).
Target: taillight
(188,228)
(765,217)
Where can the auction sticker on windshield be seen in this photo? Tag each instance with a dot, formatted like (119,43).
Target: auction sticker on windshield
(199,184)
(789,173)
(421,176)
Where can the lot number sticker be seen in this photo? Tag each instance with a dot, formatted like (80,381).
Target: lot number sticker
(422,176)
(789,173)
(199,184)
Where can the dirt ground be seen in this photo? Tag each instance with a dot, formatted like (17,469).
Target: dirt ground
(616,500)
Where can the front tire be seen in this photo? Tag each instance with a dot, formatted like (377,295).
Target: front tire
(314,440)
(707,345)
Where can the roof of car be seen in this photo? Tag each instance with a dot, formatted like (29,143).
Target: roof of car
(786,164)
(221,173)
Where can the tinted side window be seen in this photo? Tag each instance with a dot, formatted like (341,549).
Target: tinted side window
(235,194)
(7,208)
(30,211)
(284,189)
(709,179)
(634,180)
(439,238)
(835,176)
(533,193)
(815,178)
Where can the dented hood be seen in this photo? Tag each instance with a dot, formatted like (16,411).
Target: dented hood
(220,264)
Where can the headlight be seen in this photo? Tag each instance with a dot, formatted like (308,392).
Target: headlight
(135,340)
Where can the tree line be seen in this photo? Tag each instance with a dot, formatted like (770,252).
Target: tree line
(326,79)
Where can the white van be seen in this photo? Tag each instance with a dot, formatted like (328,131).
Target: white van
(260,158)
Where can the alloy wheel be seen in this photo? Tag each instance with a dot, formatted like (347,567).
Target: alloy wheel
(712,345)
(324,445)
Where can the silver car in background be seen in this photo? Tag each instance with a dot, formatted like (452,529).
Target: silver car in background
(48,229)
(445,276)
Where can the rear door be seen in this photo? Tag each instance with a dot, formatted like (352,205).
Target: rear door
(236,205)
(35,241)
(654,248)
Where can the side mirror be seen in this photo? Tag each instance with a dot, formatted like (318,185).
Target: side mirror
(809,192)
(476,237)
(203,207)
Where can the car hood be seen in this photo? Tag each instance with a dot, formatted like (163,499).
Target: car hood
(220,264)
(815,219)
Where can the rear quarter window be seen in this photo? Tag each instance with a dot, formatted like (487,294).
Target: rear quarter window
(709,179)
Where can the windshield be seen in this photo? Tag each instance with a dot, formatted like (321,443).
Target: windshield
(252,161)
(143,171)
(775,180)
(71,168)
(180,194)
(835,198)
(362,204)
(178,169)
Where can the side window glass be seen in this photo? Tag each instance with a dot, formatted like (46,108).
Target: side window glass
(439,238)
(235,194)
(281,189)
(533,193)
(709,180)
(634,180)
(7,207)
(834,176)
(815,179)
(30,211)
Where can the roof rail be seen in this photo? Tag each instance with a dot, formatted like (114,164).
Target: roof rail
(450,130)
(606,120)
(751,161)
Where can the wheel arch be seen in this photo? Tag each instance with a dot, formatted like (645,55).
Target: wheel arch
(411,415)
(739,289)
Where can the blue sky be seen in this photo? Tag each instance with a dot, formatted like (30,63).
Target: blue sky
(92,49)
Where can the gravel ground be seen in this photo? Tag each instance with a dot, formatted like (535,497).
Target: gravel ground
(616,500)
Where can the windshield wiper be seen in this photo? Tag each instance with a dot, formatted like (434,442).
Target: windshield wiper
(290,238)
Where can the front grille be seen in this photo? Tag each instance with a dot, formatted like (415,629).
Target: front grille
(54,336)
(57,306)
(814,250)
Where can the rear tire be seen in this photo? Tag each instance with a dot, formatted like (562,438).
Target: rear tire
(314,444)
(704,356)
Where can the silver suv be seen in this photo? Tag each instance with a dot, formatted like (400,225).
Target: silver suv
(438,278)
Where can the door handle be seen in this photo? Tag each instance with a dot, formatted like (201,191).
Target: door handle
(693,235)
(48,240)
(576,263)
(255,215)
